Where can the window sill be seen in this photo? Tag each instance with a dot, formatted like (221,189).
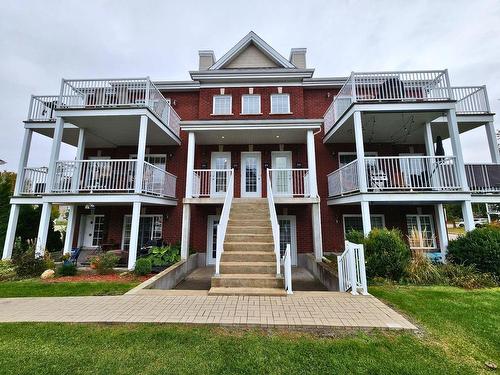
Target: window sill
(222,114)
(250,114)
(281,113)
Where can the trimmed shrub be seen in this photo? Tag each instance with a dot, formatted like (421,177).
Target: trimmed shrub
(105,263)
(479,247)
(355,236)
(143,267)
(387,254)
(7,270)
(67,269)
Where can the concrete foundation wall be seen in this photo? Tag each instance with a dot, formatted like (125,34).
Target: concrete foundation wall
(320,270)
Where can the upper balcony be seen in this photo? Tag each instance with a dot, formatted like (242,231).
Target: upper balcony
(106,107)
(419,91)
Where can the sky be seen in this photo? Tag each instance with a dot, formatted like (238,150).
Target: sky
(44,41)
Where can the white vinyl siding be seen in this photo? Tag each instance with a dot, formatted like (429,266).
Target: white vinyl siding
(250,104)
(222,105)
(280,103)
(355,222)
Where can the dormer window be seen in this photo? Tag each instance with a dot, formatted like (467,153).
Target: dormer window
(222,105)
(280,103)
(250,105)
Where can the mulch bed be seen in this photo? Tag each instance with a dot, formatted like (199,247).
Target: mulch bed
(93,277)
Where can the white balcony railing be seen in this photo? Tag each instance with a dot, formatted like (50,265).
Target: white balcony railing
(110,176)
(293,182)
(42,108)
(397,173)
(118,93)
(471,99)
(432,85)
(483,178)
(34,180)
(211,182)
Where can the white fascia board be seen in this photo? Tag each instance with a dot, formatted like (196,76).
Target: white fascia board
(485,198)
(177,85)
(46,125)
(26,200)
(251,74)
(327,82)
(107,199)
(461,118)
(260,44)
(251,124)
(403,198)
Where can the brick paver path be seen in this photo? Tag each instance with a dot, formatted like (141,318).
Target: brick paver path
(306,309)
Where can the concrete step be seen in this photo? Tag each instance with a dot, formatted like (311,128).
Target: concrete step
(247,237)
(248,256)
(248,281)
(249,217)
(247,267)
(221,291)
(239,222)
(250,229)
(248,246)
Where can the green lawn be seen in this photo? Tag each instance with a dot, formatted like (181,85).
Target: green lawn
(38,288)
(461,332)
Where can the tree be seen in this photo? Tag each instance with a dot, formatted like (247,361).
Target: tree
(29,216)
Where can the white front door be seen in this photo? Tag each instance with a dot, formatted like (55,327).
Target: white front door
(213,221)
(282,180)
(219,179)
(288,235)
(251,185)
(93,230)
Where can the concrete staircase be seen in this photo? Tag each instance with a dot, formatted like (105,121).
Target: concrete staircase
(248,263)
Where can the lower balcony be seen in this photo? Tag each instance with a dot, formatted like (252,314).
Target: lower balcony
(100,177)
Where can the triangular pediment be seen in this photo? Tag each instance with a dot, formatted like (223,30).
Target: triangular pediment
(251,52)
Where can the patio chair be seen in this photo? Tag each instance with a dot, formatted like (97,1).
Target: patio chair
(75,253)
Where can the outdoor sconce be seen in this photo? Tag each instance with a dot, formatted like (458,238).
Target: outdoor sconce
(170,156)
(235,166)
(298,164)
(204,165)
(266,165)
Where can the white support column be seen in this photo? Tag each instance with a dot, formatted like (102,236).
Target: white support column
(492,142)
(360,152)
(468,216)
(316,228)
(190,164)
(80,151)
(186,230)
(70,229)
(10,236)
(43,229)
(134,235)
(23,161)
(441,229)
(141,154)
(429,143)
(311,163)
(365,216)
(457,147)
(54,153)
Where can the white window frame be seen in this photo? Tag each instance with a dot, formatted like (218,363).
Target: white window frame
(273,96)
(419,228)
(382,216)
(210,238)
(230,105)
(293,230)
(141,216)
(146,156)
(367,155)
(244,110)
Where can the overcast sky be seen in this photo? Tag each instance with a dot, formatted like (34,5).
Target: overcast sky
(43,41)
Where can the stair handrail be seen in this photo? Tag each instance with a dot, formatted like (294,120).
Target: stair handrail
(351,269)
(223,221)
(287,270)
(274,223)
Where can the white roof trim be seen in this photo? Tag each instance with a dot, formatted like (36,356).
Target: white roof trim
(260,44)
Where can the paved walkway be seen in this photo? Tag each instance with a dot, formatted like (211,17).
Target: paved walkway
(302,309)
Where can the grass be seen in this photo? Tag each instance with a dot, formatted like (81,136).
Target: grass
(461,333)
(457,230)
(38,288)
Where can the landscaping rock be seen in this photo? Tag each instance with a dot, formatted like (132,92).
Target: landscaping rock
(48,274)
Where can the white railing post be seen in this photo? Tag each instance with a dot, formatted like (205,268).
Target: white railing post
(362,269)
(352,269)
(287,265)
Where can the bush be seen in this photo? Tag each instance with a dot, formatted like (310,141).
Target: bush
(164,256)
(387,255)
(67,269)
(7,270)
(355,236)
(143,267)
(467,276)
(28,264)
(479,247)
(422,271)
(105,262)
